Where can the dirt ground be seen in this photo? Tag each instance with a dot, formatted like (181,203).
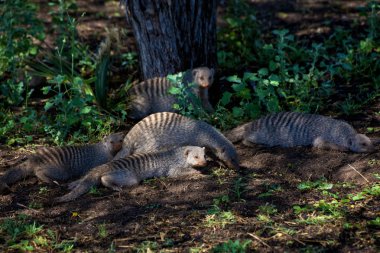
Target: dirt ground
(173,214)
(175,211)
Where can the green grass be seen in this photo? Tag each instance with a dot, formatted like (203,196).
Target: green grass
(23,234)
(232,247)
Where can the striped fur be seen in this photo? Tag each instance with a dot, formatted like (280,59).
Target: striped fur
(135,168)
(290,129)
(153,96)
(166,130)
(62,163)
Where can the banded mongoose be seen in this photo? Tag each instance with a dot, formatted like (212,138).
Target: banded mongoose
(152,95)
(131,170)
(165,130)
(63,163)
(290,129)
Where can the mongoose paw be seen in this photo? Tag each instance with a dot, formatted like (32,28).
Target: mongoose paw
(197,176)
(249,143)
(116,188)
(193,174)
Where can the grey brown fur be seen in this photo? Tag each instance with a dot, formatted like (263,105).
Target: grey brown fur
(290,129)
(135,168)
(62,163)
(153,96)
(166,130)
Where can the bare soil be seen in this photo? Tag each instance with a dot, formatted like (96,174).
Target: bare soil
(173,212)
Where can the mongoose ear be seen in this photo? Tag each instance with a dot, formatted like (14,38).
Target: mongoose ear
(187,151)
(194,72)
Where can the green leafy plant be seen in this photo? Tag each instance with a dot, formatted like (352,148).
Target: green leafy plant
(146,246)
(216,217)
(239,188)
(74,112)
(102,231)
(188,104)
(232,247)
(95,191)
(23,234)
(319,184)
(18,26)
(375,222)
(271,189)
(238,36)
(268,209)
(219,219)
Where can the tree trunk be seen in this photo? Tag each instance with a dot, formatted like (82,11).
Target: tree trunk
(173,36)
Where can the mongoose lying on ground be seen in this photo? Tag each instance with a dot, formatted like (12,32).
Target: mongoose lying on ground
(153,96)
(62,163)
(135,168)
(166,130)
(290,129)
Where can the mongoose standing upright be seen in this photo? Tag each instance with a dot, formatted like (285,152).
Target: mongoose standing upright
(165,130)
(290,129)
(135,168)
(62,163)
(152,95)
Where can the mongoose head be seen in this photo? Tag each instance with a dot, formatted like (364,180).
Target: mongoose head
(229,157)
(114,142)
(360,143)
(195,156)
(203,77)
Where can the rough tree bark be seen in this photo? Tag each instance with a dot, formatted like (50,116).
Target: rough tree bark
(173,36)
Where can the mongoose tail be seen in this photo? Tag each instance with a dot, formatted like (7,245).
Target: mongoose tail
(237,134)
(15,174)
(80,187)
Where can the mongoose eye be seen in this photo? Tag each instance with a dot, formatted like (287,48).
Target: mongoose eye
(196,157)
(202,78)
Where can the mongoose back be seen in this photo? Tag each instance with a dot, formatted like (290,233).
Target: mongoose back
(290,129)
(166,130)
(135,168)
(152,95)
(62,163)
